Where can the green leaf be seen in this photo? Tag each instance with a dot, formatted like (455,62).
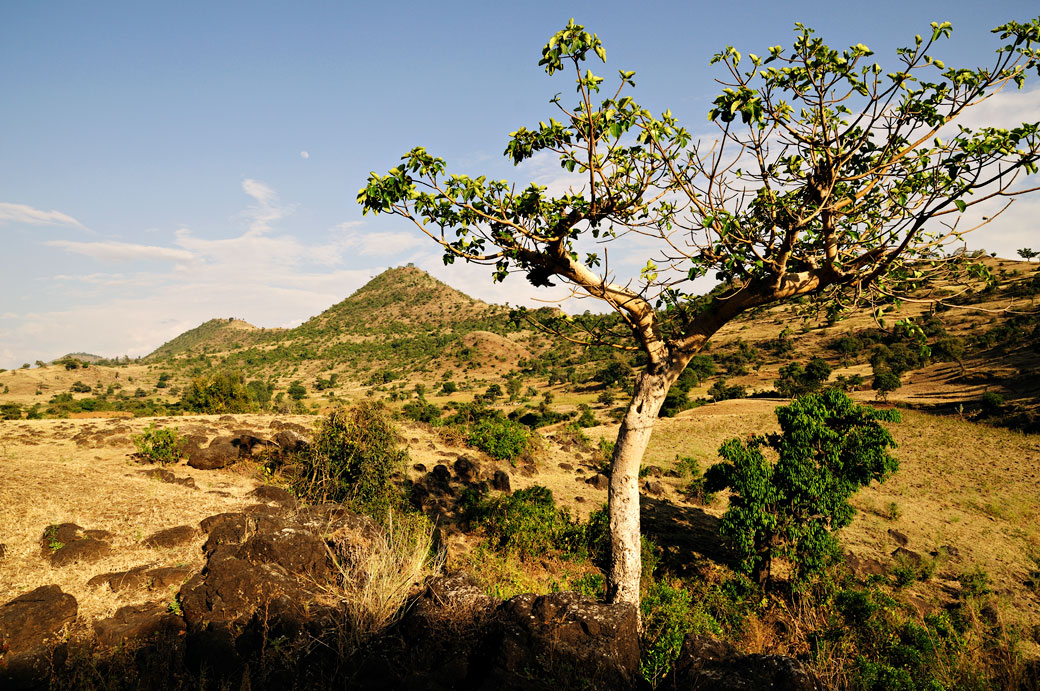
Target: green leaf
(959,203)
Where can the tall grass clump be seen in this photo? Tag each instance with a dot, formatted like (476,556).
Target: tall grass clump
(376,578)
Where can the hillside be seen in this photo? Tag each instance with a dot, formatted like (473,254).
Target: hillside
(213,335)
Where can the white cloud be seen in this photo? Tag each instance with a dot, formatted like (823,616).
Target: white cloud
(266,210)
(20,213)
(121,251)
(305,155)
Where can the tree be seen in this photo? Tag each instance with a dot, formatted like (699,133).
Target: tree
(831,177)
(297,391)
(828,448)
(1027,253)
(796,380)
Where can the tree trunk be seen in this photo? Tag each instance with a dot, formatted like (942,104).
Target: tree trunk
(633,437)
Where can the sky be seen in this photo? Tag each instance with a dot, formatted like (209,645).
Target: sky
(162,164)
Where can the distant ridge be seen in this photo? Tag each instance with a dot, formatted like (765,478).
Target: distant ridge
(215,333)
(400,300)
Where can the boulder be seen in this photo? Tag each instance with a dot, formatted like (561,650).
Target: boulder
(171,537)
(706,663)
(275,495)
(137,624)
(30,632)
(500,481)
(220,453)
(455,636)
(142,577)
(599,481)
(66,543)
(163,475)
(466,469)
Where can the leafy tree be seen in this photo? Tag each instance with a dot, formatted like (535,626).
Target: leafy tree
(827,449)
(296,391)
(831,176)
(796,380)
(223,391)
(885,382)
(1027,253)
(613,373)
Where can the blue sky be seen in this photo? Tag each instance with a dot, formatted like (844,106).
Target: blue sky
(165,163)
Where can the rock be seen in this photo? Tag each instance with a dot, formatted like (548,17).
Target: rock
(904,554)
(466,469)
(171,537)
(67,543)
(900,539)
(30,626)
(598,481)
(653,488)
(529,470)
(33,618)
(139,623)
(419,467)
(276,495)
(565,466)
(266,579)
(227,418)
(652,471)
(142,577)
(441,473)
(220,453)
(864,566)
(288,442)
(706,663)
(455,636)
(500,481)
(3,551)
(163,475)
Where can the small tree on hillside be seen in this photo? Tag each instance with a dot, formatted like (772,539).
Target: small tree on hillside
(830,175)
(1027,253)
(828,448)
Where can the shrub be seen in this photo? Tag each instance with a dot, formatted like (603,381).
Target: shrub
(352,458)
(79,387)
(669,614)
(828,448)
(10,411)
(159,445)
(221,392)
(526,522)
(499,438)
(421,411)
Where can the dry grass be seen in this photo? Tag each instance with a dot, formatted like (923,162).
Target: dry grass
(48,478)
(377,577)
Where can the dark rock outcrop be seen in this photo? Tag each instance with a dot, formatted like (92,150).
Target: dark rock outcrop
(136,624)
(171,537)
(65,543)
(455,636)
(30,628)
(706,663)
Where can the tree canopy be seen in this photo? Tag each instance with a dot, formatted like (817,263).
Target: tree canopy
(830,175)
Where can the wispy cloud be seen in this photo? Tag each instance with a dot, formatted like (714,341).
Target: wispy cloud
(121,251)
(20,213)
(266,211)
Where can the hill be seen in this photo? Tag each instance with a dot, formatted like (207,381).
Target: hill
(213,335)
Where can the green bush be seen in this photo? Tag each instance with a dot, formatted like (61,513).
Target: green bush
(159,445)
(828,448)
(352,459)
(796,380)
(669,615)
(526,522)
(421,411)
(225,391)
(499,438)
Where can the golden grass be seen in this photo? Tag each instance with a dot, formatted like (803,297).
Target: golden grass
(375,579)
(46,478)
